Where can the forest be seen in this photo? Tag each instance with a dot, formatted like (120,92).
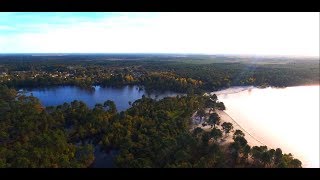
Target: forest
(149,134)
(191,74)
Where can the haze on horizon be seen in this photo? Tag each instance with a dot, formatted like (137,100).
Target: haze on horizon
(260,34)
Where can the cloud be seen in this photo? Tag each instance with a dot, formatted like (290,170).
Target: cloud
(212,33)
(4,27)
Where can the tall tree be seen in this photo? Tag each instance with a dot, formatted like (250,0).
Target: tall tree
(201,112)
(227,127)
(214,119)
(215,134)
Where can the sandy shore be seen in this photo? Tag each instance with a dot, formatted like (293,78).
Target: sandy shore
(252,141)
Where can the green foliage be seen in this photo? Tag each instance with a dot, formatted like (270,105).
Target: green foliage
(227,127)
(178,76)
(214,119)
(149,134)
(216,134)
(201,112)
(30,137)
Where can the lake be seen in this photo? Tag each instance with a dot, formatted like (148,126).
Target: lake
(287,118)
(121,96)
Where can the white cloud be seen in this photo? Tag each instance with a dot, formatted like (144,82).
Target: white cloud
(212,33)
(3,27)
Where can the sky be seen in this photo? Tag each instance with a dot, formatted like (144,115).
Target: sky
(280,34)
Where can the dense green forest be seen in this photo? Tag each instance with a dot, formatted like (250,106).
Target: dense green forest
(158,73)
(149,134)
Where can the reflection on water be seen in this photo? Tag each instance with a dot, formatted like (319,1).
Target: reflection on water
(279,117)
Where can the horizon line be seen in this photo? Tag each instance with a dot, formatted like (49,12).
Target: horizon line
(163,53)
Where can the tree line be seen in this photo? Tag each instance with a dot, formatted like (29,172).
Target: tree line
(178,76)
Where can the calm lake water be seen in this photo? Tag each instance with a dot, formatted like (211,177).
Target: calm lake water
(121,96)
(287,118)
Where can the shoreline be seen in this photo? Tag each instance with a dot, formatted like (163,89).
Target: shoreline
(250,87)
(252,141)
(224,117)
(277,127)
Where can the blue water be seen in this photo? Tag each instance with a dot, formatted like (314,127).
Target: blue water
(121,96)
